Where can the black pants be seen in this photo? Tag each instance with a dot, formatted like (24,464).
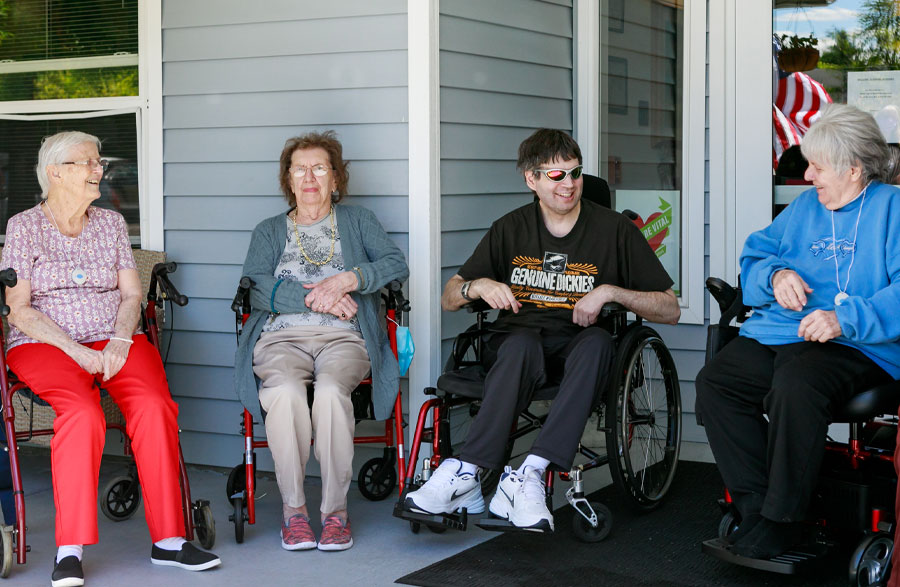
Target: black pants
(518,364)
(771,467)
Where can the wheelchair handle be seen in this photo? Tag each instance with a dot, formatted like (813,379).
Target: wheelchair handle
(395,291)
(237,304)
(160,274)
(8,277)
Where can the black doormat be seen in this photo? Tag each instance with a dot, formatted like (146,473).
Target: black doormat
(660,548)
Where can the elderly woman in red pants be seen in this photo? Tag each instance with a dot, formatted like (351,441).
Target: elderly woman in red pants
(73,328)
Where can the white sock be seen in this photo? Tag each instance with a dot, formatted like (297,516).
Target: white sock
(468,468)
(69,550)
(537,463)
(173,543)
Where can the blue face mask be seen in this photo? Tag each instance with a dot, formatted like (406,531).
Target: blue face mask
(406,348)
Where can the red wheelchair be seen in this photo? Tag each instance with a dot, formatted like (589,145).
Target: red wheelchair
(121,497)
(854,496)
(377,478)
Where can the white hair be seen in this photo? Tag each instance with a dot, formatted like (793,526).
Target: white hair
(55,150)
(845,136)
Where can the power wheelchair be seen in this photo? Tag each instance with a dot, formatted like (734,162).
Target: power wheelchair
(640,412)
(377,477)
(121,497)
(855,493)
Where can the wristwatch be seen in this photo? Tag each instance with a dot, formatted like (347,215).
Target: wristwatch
(464,291)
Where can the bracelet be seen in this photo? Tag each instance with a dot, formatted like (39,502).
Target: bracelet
(362,280)
(128,340)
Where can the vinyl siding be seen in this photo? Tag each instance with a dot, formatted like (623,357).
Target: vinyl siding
(506,70)
(236,84)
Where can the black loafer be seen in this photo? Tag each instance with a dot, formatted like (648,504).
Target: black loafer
(189,558)
(67,572)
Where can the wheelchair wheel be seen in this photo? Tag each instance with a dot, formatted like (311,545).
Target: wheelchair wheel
(377,479)
(643,418)
(121,498)
(871,561)
(237,516)
(205,526)
(6,533)
(728,524)
(583,529)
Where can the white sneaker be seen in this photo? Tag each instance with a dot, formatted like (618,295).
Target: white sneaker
(521,499)
(448,491)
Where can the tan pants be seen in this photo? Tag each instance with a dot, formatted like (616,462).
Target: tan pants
(288,361)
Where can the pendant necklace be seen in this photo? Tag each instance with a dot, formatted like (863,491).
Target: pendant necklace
(842,291)
(333,239)
(79,276)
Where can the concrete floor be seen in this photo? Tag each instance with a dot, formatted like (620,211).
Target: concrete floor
(384,548)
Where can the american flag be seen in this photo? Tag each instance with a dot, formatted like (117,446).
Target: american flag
(798,102)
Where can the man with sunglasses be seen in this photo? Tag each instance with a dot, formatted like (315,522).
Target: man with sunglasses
(549,267)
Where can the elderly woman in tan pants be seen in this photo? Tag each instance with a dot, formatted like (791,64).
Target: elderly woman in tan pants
(317,272)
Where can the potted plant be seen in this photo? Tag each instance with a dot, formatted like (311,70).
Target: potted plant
(798,53)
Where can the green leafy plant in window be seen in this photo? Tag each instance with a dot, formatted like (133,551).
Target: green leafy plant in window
(798,53)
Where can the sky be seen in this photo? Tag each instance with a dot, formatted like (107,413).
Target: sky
(818,20)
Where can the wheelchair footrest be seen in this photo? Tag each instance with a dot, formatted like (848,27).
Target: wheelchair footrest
(504,525)
(801,559)
(456,521)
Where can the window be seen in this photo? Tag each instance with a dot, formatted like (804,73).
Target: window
(650,128)
(76,65)
(843,52)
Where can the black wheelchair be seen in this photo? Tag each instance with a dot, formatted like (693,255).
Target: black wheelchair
(856,489)
(640,414)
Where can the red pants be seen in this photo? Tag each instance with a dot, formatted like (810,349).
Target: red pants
(151,421)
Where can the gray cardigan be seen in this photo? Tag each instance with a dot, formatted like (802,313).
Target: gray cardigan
(365,246)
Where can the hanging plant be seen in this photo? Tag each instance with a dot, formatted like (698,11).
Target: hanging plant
(798,53)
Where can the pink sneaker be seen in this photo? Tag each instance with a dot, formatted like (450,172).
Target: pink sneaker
(297,534)
(335,534)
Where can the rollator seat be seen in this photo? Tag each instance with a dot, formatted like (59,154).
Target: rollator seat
(870,403)
(469,383)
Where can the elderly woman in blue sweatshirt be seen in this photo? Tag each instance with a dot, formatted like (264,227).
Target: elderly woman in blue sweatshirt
(824,284)
(314,325)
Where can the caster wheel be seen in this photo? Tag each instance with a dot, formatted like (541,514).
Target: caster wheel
(871,560)
(237,517)
(415,527)
(121,498)
(437,529)
(728,524)
(205,526)
(377,479)
(583,529)
(6,564)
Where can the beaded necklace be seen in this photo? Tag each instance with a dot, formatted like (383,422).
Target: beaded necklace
(300,244)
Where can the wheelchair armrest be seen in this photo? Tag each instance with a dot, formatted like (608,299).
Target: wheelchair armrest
(159,275)
(477,306)
(8,278)
(722,291)
(395,298)
(612,308)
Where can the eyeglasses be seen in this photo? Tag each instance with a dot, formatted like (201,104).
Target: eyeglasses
(92,163)
(558,175)
(318,170)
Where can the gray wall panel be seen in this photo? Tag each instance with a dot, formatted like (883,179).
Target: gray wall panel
(361,141)
(293,72)
(325,107)
(460,70)
(481,107)
(181,13)
(532,15)
(493,40)
(283,37)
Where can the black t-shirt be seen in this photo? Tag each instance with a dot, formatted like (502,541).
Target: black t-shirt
(549,274)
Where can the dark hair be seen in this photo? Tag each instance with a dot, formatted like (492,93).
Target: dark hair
(545,145)
(315,140)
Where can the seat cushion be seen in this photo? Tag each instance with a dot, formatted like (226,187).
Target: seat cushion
(883,399)
(469,382)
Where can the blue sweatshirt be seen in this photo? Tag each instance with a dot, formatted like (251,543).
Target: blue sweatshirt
(800,238)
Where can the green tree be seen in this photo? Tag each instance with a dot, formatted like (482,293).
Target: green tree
(4,13)
(879,23)
(845,53)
